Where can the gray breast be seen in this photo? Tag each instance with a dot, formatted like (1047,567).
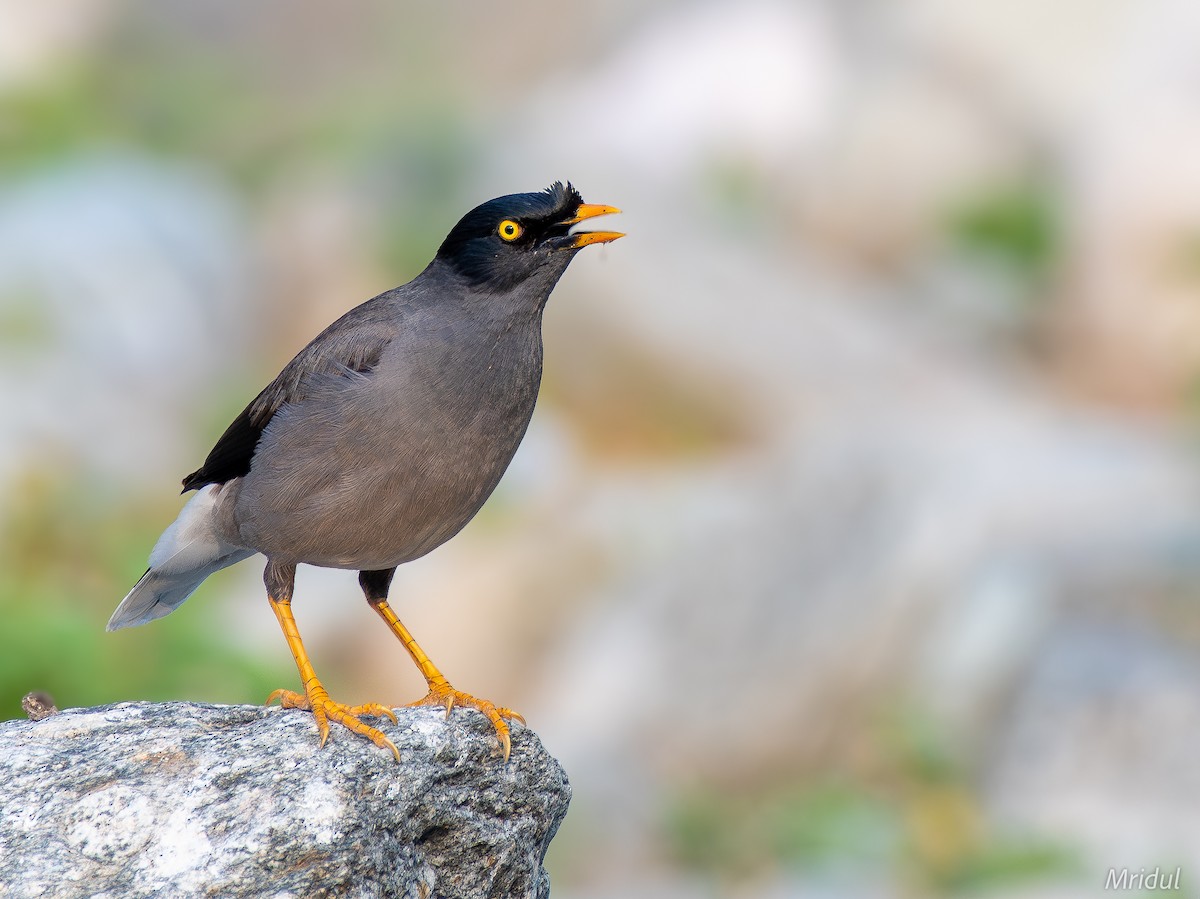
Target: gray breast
(373,470)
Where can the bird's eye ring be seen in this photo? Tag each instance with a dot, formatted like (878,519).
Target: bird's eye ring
(509,230)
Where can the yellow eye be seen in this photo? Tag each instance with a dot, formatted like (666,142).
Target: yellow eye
(509,230)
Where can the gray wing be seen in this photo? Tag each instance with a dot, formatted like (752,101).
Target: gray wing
(350,347)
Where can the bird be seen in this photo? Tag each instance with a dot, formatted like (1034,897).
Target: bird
(381,439)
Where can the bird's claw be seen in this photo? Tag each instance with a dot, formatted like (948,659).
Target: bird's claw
(447,697)
(316,699)
(509,713)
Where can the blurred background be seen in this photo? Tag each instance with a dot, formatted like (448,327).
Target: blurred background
(854,549)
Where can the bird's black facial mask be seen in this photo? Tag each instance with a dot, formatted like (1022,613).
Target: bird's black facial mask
(512,239)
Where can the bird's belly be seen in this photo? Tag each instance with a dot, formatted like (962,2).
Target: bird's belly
(376,495)
(399,523)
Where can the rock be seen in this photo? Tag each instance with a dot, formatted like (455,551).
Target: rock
(184,799)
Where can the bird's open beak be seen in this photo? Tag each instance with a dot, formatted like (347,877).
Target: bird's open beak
(587,211)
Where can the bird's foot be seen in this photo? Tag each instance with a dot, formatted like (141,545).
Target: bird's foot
(446,696)
(315,699)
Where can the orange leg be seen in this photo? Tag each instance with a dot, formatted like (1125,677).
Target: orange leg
(315,698)
(440,691)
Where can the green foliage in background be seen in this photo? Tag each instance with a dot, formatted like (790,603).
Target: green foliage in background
(736,833)
(69,553)
(1015,225)
(911,814)
(405,155)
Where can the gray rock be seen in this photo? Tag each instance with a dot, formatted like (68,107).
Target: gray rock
(184,799)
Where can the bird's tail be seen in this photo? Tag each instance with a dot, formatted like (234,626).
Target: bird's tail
(188,551)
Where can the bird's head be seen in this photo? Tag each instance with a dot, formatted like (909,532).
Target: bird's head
(522,238)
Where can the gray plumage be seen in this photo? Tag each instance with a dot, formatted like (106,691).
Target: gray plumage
(383,437)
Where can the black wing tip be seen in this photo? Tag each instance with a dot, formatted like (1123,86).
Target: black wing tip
(224,470)
(231,456)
